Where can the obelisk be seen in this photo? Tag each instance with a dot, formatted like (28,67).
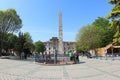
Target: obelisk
(60,45)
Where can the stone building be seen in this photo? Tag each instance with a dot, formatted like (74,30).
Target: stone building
(53,43)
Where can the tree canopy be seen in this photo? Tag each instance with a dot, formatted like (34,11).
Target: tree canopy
(10,41)
(98,34)
(28,37)
(105,30)
(88,38)
(39,47)
(24,42)
(115,16)
(9,22)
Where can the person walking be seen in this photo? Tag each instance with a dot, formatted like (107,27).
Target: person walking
(70,54)
(75,56)
(22,55)
(45,56)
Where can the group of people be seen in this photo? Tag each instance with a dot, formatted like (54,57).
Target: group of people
(74,56)
(42,57)
(46,57)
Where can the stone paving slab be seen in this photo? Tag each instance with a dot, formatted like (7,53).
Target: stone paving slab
(88,69)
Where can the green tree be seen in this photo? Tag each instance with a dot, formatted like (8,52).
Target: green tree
(106,33)
(24,43)
(115,16)
(28,42)
(39,47)
(30,46)
(9,22)
(98,34)
(20,43)
(88,38)
(10,41)
(28,37)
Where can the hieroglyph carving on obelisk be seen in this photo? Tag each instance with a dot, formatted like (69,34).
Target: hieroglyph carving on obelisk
(60,47)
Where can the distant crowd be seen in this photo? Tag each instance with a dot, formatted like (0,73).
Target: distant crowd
(74,56)
(47,57)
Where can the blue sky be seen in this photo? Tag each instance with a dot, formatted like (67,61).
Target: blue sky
(40,17)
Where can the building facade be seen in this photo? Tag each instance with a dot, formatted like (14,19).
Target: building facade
(54,44)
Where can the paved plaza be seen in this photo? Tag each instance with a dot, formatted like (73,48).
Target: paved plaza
(88,69)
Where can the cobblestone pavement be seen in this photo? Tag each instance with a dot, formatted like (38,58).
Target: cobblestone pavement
(88,69)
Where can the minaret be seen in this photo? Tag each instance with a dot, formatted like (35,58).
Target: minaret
(60,45)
